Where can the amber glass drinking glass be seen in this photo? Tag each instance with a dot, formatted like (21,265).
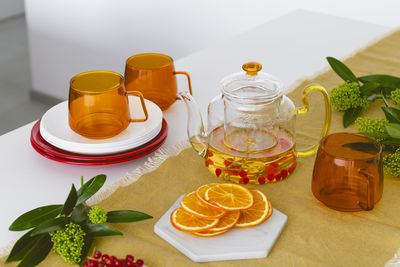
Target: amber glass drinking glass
(348,172)
(154,76)
(98,104)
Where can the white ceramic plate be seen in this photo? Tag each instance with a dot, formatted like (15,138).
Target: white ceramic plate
(55,129)
(237,243)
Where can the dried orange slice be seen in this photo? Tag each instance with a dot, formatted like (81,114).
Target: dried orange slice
(230,196)
(226,222)
(187,222)
(201,195)
(207,233)
(258,213)
(192,204)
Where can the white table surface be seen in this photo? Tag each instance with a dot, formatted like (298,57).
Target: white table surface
(290,47)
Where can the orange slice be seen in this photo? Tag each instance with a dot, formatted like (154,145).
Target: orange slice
(207,233)
(201,195)
(226,222)
(230,196)
(192,204)
(258,213)
(187,222)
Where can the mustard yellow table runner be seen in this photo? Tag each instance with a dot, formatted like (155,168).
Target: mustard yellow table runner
(314,235)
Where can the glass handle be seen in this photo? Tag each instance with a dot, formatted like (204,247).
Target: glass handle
(370,192)
(188,78)
(305,109)
(146,115)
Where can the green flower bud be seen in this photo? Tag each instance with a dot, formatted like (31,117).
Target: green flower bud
(391,163)
(395,96)
(372,127)
(97,215)
(68,242)
(346,96)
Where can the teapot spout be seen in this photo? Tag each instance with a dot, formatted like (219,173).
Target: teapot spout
(195,129)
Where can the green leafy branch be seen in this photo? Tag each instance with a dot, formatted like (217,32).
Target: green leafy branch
(70,228)
(353,96)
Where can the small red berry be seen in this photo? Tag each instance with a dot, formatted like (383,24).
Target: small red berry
(129,257)
(130,263)
(245,180)
(119,262)
(227,162)
(261,180)
(270,177)
(218,172)
(140,262)
(284,173)
(210,154)
(113,259)
(278,177)
(97,254)
(85,264)
(242,174)
(93,263)
(291,168)
(106,259)
(275,165)
(209,162)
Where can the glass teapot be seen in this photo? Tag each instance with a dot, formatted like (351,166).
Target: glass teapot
(251,128)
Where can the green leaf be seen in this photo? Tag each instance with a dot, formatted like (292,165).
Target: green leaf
(79,214)
(363,147)
(351,115)
(123,216)
(88,239)
(97,230)
(386,81)
(38,253)
(342,70)
(70,202)
(392,114)
(22,247)
(394,130)
(50,226)
(90,188)
(368,88)
(34,217)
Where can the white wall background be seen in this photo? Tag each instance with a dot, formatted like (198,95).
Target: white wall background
(67,37)
(10,8)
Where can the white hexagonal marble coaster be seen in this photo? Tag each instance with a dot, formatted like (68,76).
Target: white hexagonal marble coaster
(244,243)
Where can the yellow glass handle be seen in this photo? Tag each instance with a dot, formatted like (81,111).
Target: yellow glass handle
(146,115)
(305,109)
(188,78)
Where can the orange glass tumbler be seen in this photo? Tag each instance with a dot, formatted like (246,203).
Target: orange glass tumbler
(153,75)
(348,172)
(98,104)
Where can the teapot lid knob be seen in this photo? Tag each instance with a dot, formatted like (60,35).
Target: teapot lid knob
(251,68)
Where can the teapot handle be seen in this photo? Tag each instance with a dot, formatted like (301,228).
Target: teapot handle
(305,109)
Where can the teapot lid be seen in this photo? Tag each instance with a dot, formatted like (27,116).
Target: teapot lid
(252,85)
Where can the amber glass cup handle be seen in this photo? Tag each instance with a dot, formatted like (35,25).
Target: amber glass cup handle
(188,78)
(146,115)
(305,109)
(370,192)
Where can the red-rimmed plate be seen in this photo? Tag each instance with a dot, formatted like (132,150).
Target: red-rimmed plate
(49,151)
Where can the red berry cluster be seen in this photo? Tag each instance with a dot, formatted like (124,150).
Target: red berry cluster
(99,260)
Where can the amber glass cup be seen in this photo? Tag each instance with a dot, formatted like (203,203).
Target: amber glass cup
(154,76)
(98,104)
(348,172)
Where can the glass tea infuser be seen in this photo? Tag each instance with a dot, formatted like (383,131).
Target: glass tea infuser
(251,128)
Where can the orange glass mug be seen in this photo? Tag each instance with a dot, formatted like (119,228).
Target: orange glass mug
(348,172)
(98,104)
(153,75)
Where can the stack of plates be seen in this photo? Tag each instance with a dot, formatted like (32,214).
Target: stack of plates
(54,139)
